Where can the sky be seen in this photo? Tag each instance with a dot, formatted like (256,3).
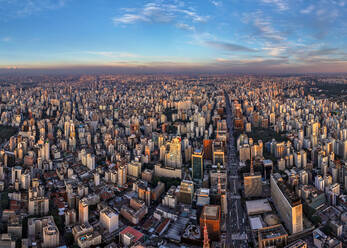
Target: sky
(207,35)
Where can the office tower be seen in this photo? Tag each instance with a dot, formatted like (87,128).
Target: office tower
(287,203)
(173,158)
(198,164)
(122,175)
(109,219)
(83,211)
(211,217)
(186,192)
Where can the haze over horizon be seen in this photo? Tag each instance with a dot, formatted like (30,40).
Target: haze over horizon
(264,36)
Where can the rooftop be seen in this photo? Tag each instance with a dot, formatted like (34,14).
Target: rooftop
(211,212)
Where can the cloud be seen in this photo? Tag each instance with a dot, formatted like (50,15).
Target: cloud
(130,18)
(262,26)
(229,46)
(159,12)
(23,8)
(275,51)
(323,52)
(216,3)
(307,10)
(185,26)
(113,54)
(280,4)
(6,39)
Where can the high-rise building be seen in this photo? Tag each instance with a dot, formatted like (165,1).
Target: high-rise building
(70,217)
(186,192)
(198,164)
(122,175)
(96,178)
(109,219)
(38,205)
(16,174)
(173,158)
(218,153)
(44,231)
(287,203)
(211,217)
(83,211)
(90,161)
(244,152)
(207,149)
(134,169)
(50,234)
(253,184)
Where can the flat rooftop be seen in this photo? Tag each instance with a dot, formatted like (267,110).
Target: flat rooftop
(272,232)
(211,212)
(258,206)
(256,222)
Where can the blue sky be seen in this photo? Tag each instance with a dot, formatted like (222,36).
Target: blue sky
(236,35)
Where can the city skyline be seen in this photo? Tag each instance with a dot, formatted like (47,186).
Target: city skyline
(145,36)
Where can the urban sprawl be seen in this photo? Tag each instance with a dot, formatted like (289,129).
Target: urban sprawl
(173,161)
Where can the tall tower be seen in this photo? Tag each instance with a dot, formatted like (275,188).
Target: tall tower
(206,240)
(46,151)
(83,212)
(174,157)
(252,182)
(198,164)
(122,175)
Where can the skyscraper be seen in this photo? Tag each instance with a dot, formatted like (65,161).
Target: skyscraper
(109,219)
(198,164)
(83,211)
(252,183)
(287,203)
(174,157)
(122,175)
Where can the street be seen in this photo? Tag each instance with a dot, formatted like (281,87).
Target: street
(236,219)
